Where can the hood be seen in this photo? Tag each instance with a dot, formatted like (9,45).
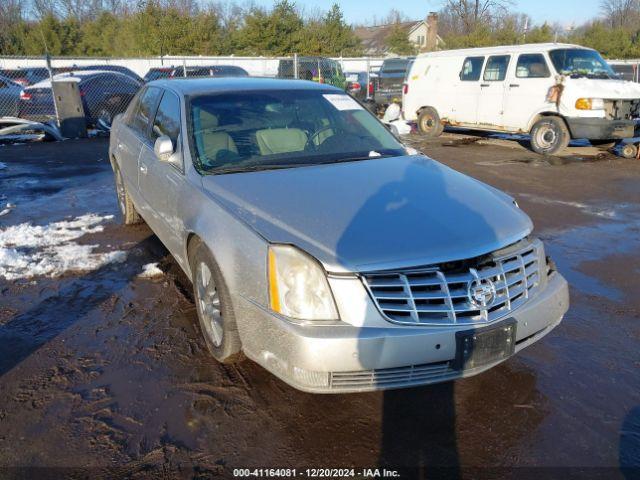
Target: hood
(374,215)
(598,88)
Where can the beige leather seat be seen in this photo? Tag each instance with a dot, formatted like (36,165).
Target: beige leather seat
(212,143)
(281,140)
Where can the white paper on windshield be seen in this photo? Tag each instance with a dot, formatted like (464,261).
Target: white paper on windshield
(342,102)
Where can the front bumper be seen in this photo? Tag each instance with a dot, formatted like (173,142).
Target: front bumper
(345,358)
(600,128)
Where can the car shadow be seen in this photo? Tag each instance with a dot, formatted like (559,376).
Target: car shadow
(629,453)
(419,424)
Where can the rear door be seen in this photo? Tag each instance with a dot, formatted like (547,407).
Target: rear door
(492,92)
(132,134)
(161,181)
(464,100)
(527,89)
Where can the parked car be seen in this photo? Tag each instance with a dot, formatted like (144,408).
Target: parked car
(104,68)
(25,76)
(419,275)
(390,80)
(554,92)
(104,95)
(9,97)
(317,69)
(360,85)
(195,71)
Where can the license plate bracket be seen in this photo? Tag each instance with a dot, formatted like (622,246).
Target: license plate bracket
(484,346)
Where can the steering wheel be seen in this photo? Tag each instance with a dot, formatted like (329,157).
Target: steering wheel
(314,135)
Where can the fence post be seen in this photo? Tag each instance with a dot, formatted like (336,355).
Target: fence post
(368,78)
(184,67)
(295,66)
(47,59)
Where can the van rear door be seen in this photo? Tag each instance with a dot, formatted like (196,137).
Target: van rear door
(464,98)
(492,92)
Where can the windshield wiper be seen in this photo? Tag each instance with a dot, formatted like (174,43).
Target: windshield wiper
(251,168)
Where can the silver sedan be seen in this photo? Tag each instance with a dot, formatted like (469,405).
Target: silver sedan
(319,246)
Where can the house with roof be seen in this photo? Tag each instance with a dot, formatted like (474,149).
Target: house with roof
(422,33)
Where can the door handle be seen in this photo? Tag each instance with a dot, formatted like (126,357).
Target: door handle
(483,85)
(514,85)
(143,169)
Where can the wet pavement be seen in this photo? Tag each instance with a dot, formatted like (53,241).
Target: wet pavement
(104,373)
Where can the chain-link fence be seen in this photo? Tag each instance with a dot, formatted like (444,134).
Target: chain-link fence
(79,95)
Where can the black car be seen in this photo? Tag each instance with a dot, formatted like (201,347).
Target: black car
(25,76)
(103,94)
(391,79)
(195,71)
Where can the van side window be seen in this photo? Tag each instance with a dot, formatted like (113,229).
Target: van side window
(471,69)
(532,65)
(496,69)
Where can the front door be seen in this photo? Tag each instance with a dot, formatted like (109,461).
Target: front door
(161,180)
(527,89)
(492,93)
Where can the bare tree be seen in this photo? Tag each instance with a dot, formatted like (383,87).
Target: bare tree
(621,13)
(470,13)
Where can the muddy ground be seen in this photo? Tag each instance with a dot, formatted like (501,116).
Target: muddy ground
(105,374)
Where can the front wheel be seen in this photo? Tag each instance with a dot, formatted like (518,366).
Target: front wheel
(549,136)
(429,122)
(213,304)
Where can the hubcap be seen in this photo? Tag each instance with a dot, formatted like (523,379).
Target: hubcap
(209,303)
(427,123)
(546,137)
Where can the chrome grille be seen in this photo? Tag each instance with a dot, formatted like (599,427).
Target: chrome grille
(392,377)
(438,296)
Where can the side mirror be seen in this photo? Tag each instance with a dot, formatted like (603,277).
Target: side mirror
(163,148)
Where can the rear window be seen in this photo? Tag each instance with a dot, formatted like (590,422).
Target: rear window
(496,69)
(395,66)
(471,69)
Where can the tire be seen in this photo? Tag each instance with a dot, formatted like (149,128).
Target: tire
(213,305)
(429,122)
(629,150)
(549,136)
(104,119)
(129,214)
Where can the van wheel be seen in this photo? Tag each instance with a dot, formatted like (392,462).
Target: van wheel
(128,211)
(629,150)
(429,122)
(549,136)
(213,304)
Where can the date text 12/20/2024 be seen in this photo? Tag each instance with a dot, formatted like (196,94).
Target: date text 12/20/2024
(315,473)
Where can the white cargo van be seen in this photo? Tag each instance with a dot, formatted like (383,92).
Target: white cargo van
(556,92)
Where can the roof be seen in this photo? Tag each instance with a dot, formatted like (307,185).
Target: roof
(197,86)
(73,76)
(374,38)
(529,47)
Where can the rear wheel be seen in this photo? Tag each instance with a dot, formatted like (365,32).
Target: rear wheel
(429,122)
(129,214)
(213,304)
(549,136)
(629,150)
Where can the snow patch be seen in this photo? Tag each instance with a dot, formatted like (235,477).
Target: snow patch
(151,270)
(588,209)
(31,250)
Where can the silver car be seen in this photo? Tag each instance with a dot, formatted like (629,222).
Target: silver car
(319,246)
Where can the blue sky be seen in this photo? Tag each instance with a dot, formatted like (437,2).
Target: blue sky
(564,12)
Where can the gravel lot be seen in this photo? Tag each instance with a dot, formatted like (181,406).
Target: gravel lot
(105,372)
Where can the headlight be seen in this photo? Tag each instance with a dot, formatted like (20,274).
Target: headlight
(298,286)
(590,104)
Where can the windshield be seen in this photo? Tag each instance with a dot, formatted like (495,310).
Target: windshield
(578,62)
(282,129)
